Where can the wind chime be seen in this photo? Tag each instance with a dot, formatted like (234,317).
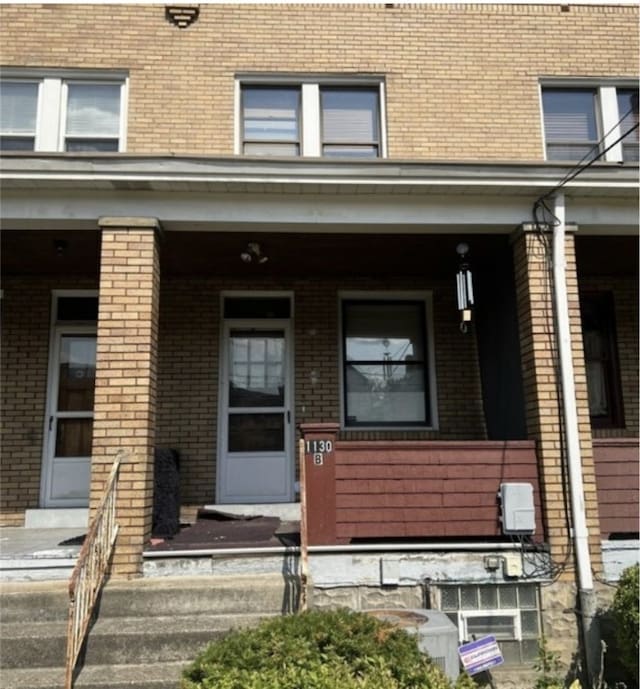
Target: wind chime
(464,287)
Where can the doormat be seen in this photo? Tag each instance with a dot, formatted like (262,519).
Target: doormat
(220,530)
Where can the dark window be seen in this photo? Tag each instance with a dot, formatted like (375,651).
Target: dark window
(77,309)
(385,363)
(257,307)
(601,359)
(18,115)
(628,114)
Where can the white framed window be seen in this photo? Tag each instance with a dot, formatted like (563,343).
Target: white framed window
(510,612)
(311,117)
(581,119)
(62,111)
(387,362)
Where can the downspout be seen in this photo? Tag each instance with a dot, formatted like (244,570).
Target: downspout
(586,594)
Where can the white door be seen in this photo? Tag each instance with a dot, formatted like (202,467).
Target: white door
(67,461)
(255,422)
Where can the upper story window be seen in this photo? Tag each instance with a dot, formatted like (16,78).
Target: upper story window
(580,122)
(63,112)
(387,376)
(311,118)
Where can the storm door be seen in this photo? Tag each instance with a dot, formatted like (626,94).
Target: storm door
(255,422)
(70,419)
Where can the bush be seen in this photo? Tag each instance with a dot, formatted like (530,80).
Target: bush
(315,650)
(626,617)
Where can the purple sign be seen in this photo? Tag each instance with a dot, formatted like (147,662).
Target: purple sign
(480,655)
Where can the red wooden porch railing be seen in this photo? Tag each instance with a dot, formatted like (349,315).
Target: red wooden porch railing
(410,489)
(616,463)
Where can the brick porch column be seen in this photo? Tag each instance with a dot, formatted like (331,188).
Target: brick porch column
(533,271)
(125,392)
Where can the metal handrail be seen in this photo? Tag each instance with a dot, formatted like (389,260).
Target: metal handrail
(89,573)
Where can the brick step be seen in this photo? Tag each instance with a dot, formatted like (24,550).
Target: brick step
(118,640)
(138,676)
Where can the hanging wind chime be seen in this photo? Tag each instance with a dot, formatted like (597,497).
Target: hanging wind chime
(464,287)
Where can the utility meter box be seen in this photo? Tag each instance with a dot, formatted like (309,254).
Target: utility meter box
(518,511)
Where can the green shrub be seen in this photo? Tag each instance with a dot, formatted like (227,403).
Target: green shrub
(626,617)
(315,650)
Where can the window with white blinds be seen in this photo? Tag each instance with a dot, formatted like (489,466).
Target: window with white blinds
(310,117)
(350,122)
(581,122)
(570,124)
(92,117)
(18,115)
(45,111)
(271,121)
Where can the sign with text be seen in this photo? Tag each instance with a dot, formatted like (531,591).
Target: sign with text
(480,655)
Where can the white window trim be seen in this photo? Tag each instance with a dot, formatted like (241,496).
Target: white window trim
(607,116)
(50,131)
(464,615)
(431,397)
(310,115)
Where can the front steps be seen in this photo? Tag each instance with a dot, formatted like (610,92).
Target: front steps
(147,630)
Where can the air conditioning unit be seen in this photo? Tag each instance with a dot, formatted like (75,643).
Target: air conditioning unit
(437,635)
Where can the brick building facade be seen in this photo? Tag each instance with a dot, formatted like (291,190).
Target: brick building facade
(355,147)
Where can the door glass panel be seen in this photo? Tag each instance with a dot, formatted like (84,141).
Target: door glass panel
(256,432)
(256,369)
(77,373)
(73,437)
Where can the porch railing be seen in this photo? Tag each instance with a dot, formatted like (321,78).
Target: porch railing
(89,573)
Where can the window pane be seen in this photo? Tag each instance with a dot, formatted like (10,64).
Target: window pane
(529,622)
(270,114)
(530,649)
(571,151)
(507,596)
(256,432)
(569,119)
(349,116)
(257,307)
(270,149)
(384,331)
(88,145)
(18,107)
(343,151)
(628,113)
(256,377)
(77,373)
(488,597)
(527,596)
(501,626)
(17,143)
(449,598)
(77,309)
(73,437)
(385,393)
(510,652)
(468,598)
(93,109)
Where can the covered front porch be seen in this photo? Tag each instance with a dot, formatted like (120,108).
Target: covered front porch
(140,313)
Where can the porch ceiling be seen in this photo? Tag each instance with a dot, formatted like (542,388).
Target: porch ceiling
(217,254)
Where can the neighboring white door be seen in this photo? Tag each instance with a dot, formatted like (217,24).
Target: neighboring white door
(69,424)
(255,422)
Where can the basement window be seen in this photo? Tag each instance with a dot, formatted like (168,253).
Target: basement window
(510,612)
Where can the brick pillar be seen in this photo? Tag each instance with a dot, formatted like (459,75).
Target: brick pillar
(533,270)
(125,392)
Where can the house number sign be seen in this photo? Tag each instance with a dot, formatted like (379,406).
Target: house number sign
(318,448)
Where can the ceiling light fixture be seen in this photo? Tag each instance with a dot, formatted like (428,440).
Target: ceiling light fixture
(252,253)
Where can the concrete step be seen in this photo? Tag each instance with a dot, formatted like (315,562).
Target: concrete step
(138,676)
(118,640)
(26,602)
